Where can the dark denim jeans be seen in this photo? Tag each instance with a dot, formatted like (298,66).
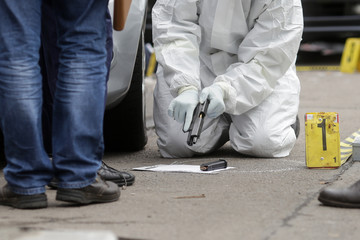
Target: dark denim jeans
(77,146)
(49,63)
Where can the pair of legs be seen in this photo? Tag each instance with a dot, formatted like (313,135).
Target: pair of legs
(264,131)
(78,100)
(49,63)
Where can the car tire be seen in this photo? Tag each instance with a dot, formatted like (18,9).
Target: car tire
(125,124)
(2,153)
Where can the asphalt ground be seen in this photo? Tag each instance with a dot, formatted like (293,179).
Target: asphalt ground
(261,198)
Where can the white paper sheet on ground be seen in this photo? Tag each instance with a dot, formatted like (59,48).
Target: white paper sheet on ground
(178,168)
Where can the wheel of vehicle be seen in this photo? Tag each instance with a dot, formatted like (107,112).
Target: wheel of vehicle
(125,124)
(2,154)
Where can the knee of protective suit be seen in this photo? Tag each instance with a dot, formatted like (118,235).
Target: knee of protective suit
(265,143)
(174,145)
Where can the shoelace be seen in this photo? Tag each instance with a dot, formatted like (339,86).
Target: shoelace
(105,166)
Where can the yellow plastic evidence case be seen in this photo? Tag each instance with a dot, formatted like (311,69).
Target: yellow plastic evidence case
(322,140)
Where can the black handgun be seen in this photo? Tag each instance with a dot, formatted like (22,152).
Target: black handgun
(197,123)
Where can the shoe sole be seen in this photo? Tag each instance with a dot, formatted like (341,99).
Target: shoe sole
(338,204)
(119,182)
(27,202)
(76,196)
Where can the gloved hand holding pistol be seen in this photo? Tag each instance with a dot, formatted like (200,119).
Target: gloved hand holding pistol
(189,109)
(182,107)
(215,94)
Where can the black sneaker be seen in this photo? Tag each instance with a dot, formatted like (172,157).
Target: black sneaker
(119,177)
(108,174)
(9,198)
(99,191)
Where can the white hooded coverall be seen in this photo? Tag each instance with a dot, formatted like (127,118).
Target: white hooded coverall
(251,46)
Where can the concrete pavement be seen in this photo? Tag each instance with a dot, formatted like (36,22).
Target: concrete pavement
(267,199)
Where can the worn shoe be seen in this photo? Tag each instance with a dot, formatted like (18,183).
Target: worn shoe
(120,178)
(99,191)
(108,174)
(9,198)
(344,197)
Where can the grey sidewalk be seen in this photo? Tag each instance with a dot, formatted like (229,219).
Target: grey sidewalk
(259,199)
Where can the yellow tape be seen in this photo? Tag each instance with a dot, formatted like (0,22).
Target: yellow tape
(317,68)
(346,146)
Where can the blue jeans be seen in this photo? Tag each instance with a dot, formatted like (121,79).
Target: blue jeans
(77,146)
(49,64)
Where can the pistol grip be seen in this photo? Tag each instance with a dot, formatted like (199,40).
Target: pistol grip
(197,123)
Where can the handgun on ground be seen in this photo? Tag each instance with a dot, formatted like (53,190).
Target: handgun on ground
(197,122)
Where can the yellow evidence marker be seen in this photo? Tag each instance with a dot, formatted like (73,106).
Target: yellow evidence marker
(322,140)
(350,59)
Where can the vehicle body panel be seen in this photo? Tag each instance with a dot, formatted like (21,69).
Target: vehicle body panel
(125,45)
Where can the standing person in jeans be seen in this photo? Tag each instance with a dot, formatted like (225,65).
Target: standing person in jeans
(78,104)
(49,63)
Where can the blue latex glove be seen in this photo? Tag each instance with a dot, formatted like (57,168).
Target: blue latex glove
(215,94)
(182,107)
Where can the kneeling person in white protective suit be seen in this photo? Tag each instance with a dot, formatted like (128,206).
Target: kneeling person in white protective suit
(239,54)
